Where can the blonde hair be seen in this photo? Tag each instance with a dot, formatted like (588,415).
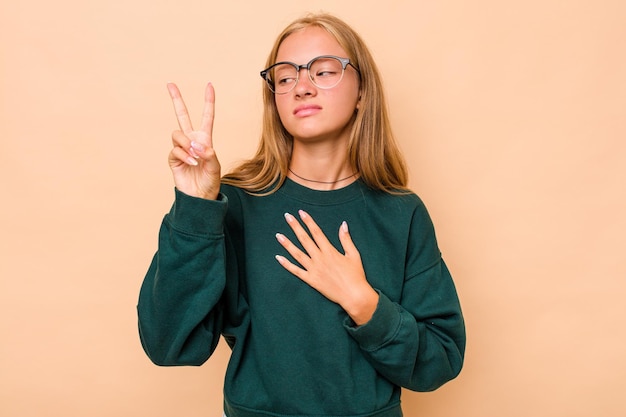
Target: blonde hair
(373,152)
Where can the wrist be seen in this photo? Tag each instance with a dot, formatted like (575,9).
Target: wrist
(203,195)
(363,305)
(210,195)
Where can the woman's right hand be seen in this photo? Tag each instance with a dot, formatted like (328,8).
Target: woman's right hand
(192,160)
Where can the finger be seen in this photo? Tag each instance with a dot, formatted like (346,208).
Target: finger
(307,243)
(182,115)
(348,245)
(295,270)
(208,113)
(300,257)
(179,154)
(318,235)
(180,139)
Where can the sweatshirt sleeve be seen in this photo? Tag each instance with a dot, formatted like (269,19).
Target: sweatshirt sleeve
(419,342)
(179,311)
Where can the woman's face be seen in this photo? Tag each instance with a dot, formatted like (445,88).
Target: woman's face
(310,113)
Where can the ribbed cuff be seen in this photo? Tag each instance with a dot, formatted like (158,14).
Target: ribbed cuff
(198,216)
(380,329)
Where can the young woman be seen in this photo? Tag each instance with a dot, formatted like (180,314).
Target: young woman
(313,260)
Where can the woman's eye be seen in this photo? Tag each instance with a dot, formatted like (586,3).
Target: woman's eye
(325,73)
(286,80)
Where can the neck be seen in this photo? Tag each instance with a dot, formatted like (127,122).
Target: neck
(321,165)
(322,176)
(323,182)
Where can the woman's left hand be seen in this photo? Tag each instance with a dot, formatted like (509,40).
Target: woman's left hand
(338,277)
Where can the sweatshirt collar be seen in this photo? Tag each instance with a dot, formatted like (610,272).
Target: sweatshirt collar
(299,192)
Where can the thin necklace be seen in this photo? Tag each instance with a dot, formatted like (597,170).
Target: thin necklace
(322,182)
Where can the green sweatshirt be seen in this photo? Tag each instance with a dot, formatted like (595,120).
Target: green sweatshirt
(294,352)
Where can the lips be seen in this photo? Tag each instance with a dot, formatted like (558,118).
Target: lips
(306,110)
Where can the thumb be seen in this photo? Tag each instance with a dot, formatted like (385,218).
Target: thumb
(200,143)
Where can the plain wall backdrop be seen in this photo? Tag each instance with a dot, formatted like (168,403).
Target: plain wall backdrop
(512,116)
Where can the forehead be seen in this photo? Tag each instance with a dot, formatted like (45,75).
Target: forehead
(305,44)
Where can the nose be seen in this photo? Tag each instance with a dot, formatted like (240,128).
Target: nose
(304,86)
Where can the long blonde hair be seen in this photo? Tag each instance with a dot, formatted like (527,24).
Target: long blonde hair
(373,151)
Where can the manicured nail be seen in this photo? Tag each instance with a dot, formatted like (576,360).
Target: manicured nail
(197,146)
(192,161)
(289,217)
(280,259)
(303,214)
(344,227)
(280,237)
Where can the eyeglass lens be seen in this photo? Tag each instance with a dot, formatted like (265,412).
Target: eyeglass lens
(324,72)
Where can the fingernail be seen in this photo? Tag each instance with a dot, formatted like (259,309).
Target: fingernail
(171,88)
(193,153)
(197,146)
(279,258)
(192,161)
(344,226)
(302,214)
(280,237)
(289,217)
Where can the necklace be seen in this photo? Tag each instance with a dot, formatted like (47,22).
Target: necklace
(323,182)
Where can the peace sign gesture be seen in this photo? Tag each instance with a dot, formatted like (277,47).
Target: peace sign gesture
(193,160)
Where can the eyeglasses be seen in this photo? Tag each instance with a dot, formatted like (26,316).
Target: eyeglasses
(325,72)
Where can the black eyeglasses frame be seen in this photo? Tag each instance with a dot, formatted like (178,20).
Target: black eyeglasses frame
(344,64)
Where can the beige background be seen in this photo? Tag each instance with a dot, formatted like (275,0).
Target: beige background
(512,115)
